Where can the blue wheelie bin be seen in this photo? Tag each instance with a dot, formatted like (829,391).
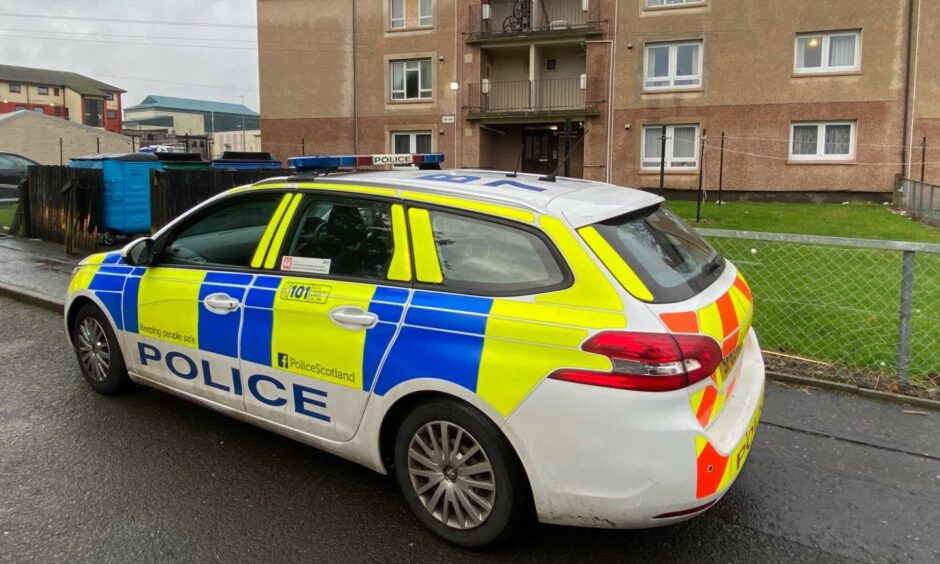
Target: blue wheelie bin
(125,202)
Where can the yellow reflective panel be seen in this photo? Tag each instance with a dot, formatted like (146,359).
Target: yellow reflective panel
(237,190)
(94,259)
(373,190)
(427,264)
(509,370)
(615,263)
(305,340)
(168,305)
(82,279)
(400,267)
(482,207)
(591,289)
(278,239)
(258,259)
(709,322)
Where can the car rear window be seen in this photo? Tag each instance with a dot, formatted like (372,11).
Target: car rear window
(669,257)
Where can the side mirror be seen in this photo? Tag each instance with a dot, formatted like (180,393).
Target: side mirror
(138,252)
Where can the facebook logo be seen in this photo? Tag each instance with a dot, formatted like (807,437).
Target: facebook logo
(282,360)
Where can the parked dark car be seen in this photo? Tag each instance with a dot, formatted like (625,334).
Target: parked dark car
(13,168)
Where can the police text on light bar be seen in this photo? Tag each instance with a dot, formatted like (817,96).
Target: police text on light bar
(327,162)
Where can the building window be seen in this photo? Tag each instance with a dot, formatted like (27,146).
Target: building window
(666,3)
(109,97)
(671,66)
(14,87)
(411,80)
(396,14)
(19,107)
(112,114)
(43,90)
(38,109)
(681,147)
(551,65)
(425,13)
(822,141)
(407,142)
(55,91)
(827,52)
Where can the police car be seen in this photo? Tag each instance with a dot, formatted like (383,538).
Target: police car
(506,345)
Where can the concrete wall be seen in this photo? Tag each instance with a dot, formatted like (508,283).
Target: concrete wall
(235,141)
(37,137)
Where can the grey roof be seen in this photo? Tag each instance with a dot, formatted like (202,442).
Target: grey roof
(77,82)
(56,121)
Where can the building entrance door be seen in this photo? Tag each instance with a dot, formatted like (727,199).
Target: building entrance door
(541,151)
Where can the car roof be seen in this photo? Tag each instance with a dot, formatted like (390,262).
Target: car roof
(579,202)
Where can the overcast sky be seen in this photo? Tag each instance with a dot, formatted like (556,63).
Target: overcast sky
(204,49)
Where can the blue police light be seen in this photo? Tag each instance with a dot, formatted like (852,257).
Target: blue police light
(322,163)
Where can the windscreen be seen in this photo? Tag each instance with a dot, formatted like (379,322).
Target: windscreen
(673,260)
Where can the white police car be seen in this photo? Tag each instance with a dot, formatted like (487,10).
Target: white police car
(504,344)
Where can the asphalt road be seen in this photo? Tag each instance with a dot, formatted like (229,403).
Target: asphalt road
(148,477)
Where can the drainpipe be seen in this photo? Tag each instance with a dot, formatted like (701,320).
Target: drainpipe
(355,84)
(612,43)
(909,67)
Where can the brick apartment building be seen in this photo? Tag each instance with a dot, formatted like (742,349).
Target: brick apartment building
(813,97)
(64,94)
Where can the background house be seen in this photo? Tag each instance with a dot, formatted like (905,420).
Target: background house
(64,94)
(822,100)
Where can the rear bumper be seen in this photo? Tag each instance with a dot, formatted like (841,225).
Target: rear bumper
(599,457)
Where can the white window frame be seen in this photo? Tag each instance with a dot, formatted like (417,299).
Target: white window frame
(670,141)
(820,154)
(672,4)
(393,22)
(410,65)
(412,139)
(824,67)
(426,19)
(673,63)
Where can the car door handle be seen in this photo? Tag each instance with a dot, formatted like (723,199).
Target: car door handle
(352,317)
(221,303)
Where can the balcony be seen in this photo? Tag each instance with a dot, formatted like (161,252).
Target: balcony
(501,20)
(557,97)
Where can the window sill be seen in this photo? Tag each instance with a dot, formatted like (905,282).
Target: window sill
(650,172)
(409,29)
(823,74)
(829,162)
(691,90)
(674,7)
(410,102)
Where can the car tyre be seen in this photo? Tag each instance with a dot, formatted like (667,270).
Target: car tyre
(473,492)
(98,352)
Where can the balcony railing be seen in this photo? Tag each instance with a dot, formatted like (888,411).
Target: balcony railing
(556,95)
(500,18)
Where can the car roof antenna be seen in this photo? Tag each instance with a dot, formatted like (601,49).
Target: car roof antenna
(515,172)
(551,177)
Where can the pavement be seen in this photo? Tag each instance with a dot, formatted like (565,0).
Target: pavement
(149,477)
(38,270)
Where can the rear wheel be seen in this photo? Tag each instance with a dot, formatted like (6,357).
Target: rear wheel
(459,475)
(98,352)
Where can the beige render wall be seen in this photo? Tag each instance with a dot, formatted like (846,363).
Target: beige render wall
(73,101)
(37,137)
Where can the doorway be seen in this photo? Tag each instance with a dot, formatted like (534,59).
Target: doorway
(541,151)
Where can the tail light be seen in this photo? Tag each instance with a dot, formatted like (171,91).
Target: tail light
(648,362)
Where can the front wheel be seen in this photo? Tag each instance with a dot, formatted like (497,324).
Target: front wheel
(98,352)
(459,475)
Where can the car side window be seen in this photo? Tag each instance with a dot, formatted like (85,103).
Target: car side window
(225,235)
(481,255)
(342,237)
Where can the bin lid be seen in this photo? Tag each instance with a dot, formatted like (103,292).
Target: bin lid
(245,156)
(180,157)
(125,157)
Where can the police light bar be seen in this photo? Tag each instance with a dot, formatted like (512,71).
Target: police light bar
(329,162)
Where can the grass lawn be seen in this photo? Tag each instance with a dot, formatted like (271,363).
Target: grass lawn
(831,304)
(864,221)
(6,215)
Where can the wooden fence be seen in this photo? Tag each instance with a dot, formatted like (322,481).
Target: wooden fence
(172,192)
(61,205)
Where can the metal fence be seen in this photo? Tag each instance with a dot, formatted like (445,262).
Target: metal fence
(509,17)
(921,200)
(854,309)
(578,93)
